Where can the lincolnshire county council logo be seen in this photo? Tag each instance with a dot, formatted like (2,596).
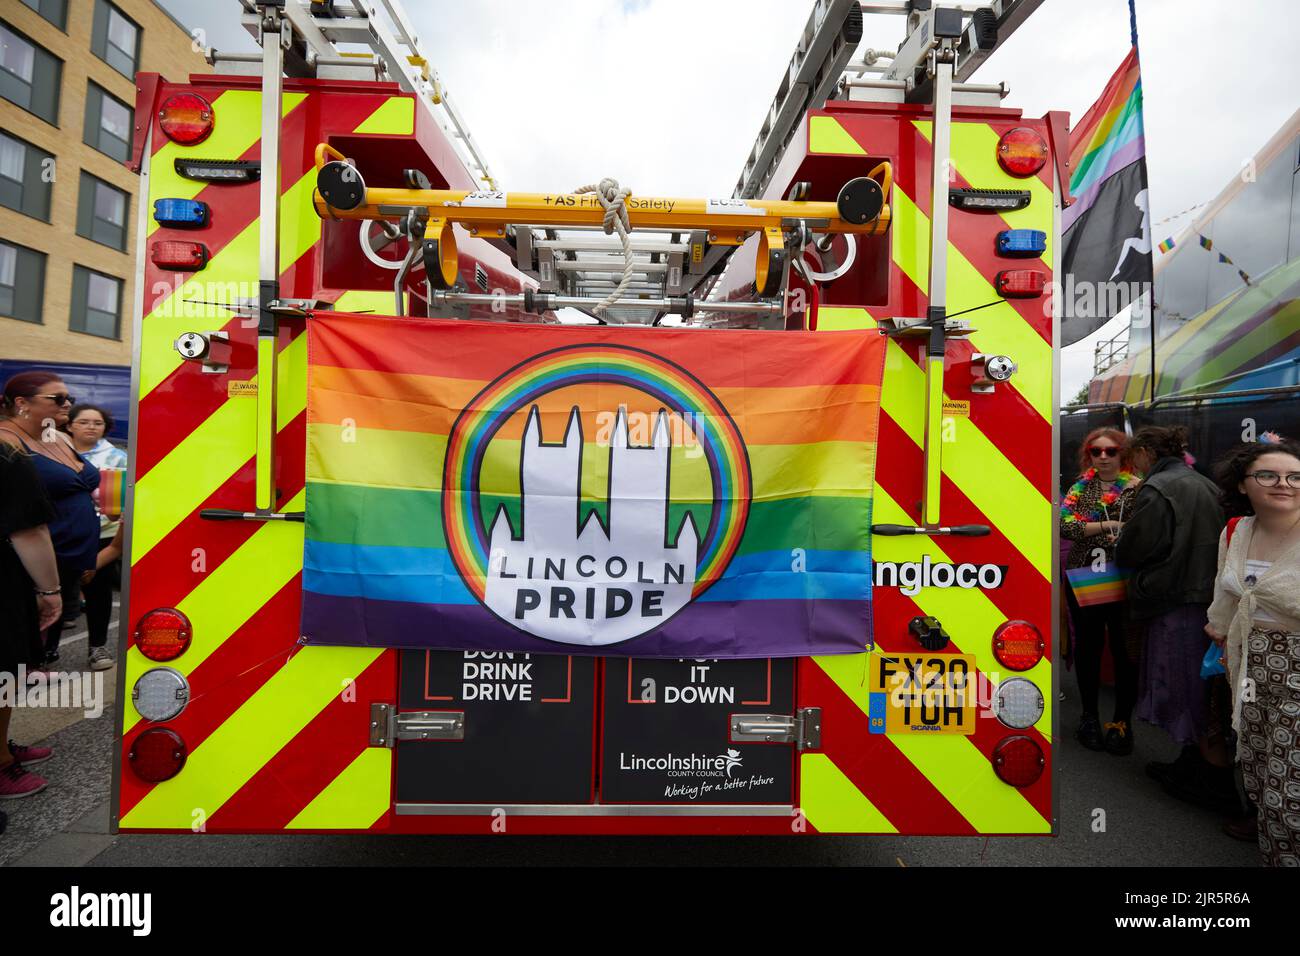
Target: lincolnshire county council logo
(592,492)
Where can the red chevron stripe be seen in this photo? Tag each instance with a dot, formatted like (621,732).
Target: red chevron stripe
(166,575)
(972,234)
(184,400)
(1028,594)
(893,606)
(1006,417)
(875,766)
(305,766)
(229,677)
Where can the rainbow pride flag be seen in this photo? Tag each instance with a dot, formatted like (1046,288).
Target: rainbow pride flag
(1106,232)
(631,492)
(1097,587)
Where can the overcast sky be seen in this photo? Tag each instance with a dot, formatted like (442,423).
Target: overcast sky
(667,95)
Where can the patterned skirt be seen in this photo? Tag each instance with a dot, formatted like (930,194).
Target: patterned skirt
(1269,744)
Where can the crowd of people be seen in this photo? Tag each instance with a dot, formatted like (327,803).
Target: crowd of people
(60,541)
(1194,585)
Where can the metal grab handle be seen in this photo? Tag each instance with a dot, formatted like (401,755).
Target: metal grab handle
(225,514)
(887,179)
(960,530)
(324,149)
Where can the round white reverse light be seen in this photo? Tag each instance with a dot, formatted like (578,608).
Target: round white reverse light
(160,694)
(1018,703)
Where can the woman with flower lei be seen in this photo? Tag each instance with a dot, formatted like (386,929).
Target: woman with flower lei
(1092,514)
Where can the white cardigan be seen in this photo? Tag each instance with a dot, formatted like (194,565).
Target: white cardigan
(1277,591)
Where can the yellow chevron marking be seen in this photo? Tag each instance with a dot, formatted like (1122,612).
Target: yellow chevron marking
(230,274)
(230,595)
(236,127)
(950,762)
(250,737)
(362,301)
(974,463)
(1002,328)
(395,116)
(826,135)
(832,803)
(968,614)
(355,799)
(975,156)
(205,459)
(834,318)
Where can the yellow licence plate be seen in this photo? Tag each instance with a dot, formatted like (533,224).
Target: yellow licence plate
(922,693)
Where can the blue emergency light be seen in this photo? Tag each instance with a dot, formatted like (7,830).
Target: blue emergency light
(1021,243)
(181,213)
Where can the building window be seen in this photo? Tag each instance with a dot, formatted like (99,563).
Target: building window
(56,11)
(101,212)
(25,175)
(115,38)
(29,75)
(96,303)
(108,123)
(22,282)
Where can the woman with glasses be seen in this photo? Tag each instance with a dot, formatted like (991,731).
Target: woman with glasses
(1092,514)
(88,424)
(1170,548)
(33,410)
(1255,618)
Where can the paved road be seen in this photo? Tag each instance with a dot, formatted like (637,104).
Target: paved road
(68,825)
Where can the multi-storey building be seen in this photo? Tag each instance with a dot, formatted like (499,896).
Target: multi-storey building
(67,201)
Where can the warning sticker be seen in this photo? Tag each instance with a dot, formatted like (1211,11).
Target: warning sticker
(240,389)
(956,409)
(483,197)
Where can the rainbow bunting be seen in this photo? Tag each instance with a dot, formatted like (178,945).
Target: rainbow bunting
(1167,244)
(640,492)
(1206,243)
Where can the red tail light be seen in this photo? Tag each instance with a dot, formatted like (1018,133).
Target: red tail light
(186,118)
(163,634)
(158,754)
(1020,283)
(185,256)
(1018,761)
(1021,151)
(1018,645)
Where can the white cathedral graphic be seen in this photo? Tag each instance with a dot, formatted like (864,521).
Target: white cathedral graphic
(588,585)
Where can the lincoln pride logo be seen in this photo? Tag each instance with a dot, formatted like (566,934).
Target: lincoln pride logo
(592,492)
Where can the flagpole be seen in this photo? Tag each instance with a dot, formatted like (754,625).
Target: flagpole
(1151,290)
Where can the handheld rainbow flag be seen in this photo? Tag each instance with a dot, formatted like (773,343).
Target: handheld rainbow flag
(638,492)
(1097,587)
(111,493)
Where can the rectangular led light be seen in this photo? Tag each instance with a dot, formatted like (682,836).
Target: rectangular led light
(220,170)
(988,200)
(181,213)
(1021,243)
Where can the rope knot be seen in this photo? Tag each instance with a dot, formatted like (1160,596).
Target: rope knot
(613,199)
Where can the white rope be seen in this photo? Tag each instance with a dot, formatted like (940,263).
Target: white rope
(612,199)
